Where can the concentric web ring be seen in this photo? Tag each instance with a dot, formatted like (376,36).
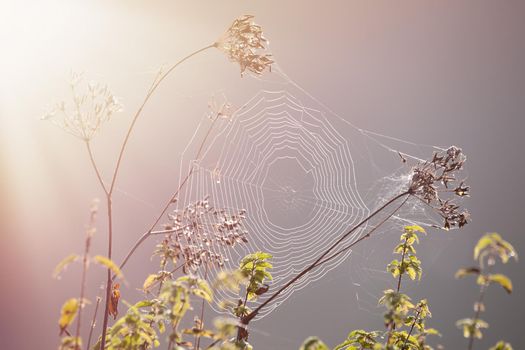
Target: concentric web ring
(303,174)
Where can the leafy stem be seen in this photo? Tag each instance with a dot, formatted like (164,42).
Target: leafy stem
(416,318)
(477,314)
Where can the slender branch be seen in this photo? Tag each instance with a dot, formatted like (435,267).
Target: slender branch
(392,325)
(95,167)
(169,202)
(254,313)
(83,278)
(362,238)
(93,321)
(477,314)
(201,321)
(213,344)
(109,280)
(402,262)
(153,88)
(109,192)
(411,328)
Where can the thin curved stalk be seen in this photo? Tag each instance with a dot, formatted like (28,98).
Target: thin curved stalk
(109,192)
(95,167)
(362,238)
(245,320)
(93,321)
(153,88)
(167,205)
(477,314)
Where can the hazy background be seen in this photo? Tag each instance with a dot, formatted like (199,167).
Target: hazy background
(435,73)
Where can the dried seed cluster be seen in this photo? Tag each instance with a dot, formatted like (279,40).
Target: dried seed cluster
(88,111)
(244,43)
(431,182)
(199,233)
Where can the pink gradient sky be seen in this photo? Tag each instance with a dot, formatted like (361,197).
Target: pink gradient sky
(455,66)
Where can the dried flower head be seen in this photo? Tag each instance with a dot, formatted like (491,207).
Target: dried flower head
(199,233)
(244,43)
(88,111)
(431,183)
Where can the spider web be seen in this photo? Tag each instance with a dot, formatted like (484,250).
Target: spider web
(304,175)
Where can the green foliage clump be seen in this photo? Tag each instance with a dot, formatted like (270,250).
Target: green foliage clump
(487,251)
(405,321)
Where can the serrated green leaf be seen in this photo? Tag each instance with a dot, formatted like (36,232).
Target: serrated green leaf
(467,271)
(102,260)
(68,313)
(63,264)
(502,280)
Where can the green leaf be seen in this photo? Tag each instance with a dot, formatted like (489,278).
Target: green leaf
(483,242)
(502,280)
(415,228)
(62,265)
(313,343)
(102,260)
(467,271)
(501,345)
(149,282)
(68,313)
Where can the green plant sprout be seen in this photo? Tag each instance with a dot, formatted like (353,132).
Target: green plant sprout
(489,248)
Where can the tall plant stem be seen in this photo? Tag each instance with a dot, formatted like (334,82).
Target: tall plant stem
(362,238)
(151,91)
(95,167)
(476,315)
(93,321)
(83,280)
(108,283)
(201,323)
(109,192)
(392,325)
(245,320)
(411,329)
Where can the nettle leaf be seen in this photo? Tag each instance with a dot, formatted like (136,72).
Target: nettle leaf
(483,242)
(313,343)
(501,345)
(68,313)
(467,271)
(359,339)
(149,282)
(62,265)
(502,280)
(70,343)
(108,263)
(143,303)
(230,280)
(472,327)
(415,228)
(203,290)
(493,245)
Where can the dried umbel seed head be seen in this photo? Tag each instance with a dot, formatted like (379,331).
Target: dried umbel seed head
(433,183)
(244,43)
(199,235)
(88,110)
